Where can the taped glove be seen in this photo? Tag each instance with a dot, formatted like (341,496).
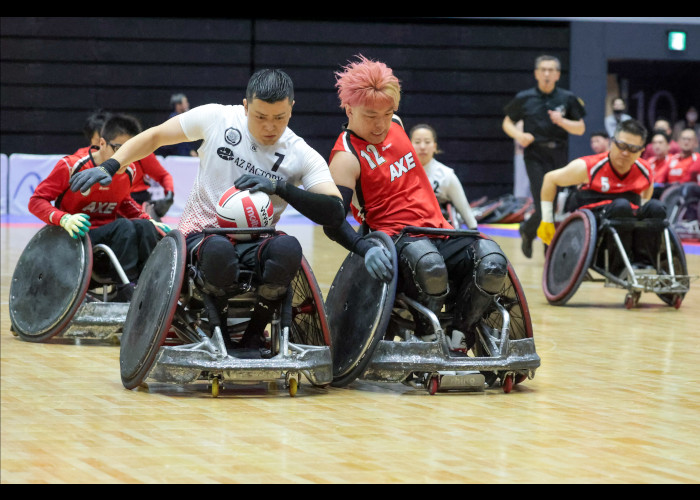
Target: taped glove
(255,183)
(76,224)
(85,179)
(546,231)
(164,228)
(162,206)
(378,263)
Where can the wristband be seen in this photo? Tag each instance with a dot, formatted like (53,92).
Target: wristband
(547,211)
(110,166)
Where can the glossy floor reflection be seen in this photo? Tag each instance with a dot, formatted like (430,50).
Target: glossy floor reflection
(616,400)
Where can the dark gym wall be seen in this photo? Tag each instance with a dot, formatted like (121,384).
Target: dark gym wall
(456,75)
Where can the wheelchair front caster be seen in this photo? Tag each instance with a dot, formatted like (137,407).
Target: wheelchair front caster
(507,383)
(293,385)
(433,385)
(632,299)
(677,301)
(215,386)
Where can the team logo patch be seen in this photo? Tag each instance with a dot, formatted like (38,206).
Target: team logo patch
(232,136)
(225,153)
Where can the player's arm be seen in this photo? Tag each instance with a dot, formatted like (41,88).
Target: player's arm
(515,133)
(345,169)
(572,174)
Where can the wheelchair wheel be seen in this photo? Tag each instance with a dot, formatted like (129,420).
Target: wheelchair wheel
(569,256)
(152,308)
(680,267)
(49,283)
(359,310)
(512,299)
(309,322)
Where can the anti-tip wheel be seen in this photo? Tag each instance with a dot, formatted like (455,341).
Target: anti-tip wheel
(433,385)
(215,387)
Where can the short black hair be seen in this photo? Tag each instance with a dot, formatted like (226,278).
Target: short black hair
(120,124)
(270,85)
(661,132)
(633,127)
(176,99)
(600,133)
(95,122)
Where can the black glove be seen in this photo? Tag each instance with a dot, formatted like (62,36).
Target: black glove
(85,179)
(162,206)
(378,263)
(255,183)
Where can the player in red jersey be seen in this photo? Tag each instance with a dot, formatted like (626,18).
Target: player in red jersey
(145,170)
(616,184)
(131,237)
(679,166)
(377,170)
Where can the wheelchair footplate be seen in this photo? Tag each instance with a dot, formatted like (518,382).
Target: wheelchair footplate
(434,366)
(210,360)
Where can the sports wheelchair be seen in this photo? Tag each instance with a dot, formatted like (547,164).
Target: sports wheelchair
(682,203)
(168,336)
(580,245)
(372,332)
(65,287)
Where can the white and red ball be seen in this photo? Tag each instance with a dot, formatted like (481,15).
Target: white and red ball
(243,209)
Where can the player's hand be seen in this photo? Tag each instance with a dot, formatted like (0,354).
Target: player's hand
(161,207)
(546,232)
(378,263)
(159,225)
(85,179)
(254,183)
(525,139)
(77,225)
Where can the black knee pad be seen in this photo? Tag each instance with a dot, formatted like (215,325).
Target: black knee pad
(490,266)
(217,265)
(280,260)
(423,273)
(653,209)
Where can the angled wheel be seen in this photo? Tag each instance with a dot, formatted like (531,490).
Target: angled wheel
(512,299)
(49,283)
(569,256)
(359,309)
(680,266)
(309,322)
(152,308)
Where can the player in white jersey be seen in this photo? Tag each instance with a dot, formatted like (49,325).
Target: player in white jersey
(251,147)
(446,184)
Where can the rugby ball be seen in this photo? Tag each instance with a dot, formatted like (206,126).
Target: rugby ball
(243,209)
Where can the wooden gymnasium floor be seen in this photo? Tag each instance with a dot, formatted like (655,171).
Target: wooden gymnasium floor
(616,400)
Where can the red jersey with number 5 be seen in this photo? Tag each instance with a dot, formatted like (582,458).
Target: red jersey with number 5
(604,179)
(393,189)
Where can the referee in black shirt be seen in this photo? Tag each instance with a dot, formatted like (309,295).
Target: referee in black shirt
(549,114)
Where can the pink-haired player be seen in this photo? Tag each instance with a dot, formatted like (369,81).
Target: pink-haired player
(378,172)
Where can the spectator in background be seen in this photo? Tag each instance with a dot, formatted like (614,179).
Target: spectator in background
(665,126)
(618,115)
(681,165)
(600,141)
(690,121)
(178,105)
(659,162)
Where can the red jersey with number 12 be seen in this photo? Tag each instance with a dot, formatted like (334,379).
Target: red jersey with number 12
(393,189)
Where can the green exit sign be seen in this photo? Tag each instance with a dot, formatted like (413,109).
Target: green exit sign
(676,40)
